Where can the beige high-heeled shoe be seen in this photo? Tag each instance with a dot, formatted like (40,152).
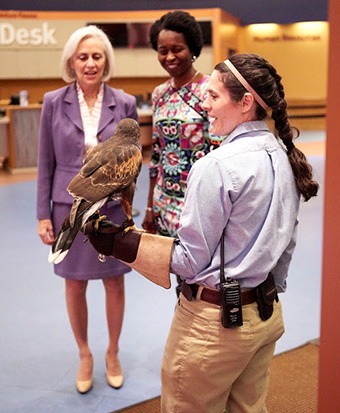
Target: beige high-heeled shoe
(114,381)
(83,386)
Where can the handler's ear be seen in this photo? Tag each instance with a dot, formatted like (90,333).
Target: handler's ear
(247,102)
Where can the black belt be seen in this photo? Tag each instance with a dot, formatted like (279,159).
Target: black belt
(213,296)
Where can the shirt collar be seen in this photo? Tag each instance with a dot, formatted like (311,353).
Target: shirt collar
(247,128)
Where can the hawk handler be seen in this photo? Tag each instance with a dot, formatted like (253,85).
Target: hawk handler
(235,242)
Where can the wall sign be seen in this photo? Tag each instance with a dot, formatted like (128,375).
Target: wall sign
(288,38)
(36,36)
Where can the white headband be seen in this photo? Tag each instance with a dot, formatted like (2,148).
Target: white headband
(243,81)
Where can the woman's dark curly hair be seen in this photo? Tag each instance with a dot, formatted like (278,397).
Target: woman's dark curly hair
(264,79)
(180,22)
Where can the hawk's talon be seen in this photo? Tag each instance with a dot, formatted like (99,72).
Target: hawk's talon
(132,227)
(97,220)
(129,222)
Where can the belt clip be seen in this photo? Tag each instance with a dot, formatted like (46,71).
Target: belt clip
(199,292)
(187,291)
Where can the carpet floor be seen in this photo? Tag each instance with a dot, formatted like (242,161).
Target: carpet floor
(293,384)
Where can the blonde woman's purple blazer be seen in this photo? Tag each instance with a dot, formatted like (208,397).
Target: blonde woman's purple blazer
(61,141)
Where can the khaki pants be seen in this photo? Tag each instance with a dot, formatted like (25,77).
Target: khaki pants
(208,368)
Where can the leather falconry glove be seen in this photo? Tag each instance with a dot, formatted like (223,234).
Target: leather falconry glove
(148,254)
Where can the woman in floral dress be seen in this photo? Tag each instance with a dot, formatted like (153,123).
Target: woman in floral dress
(180,125)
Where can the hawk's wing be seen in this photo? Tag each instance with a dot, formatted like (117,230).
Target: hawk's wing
(108,172)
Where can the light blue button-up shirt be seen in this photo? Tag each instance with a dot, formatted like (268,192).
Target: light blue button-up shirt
(247,187)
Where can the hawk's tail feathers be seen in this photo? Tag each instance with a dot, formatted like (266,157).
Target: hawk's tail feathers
(56,257)
(68,231)
(64,241)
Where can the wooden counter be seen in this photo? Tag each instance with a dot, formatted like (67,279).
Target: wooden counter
(145,122)
(23,139)
(4,150)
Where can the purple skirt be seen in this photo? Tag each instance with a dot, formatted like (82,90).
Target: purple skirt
(81,262)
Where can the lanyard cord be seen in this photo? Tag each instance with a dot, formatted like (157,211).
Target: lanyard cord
(222,278)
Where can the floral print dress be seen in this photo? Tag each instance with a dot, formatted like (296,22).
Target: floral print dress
(180,137)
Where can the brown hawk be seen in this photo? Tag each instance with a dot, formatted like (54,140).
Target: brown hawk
(110,172)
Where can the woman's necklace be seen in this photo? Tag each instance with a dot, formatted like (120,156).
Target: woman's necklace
(173,82)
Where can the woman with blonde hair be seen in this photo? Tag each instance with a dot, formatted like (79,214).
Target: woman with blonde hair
(74,119)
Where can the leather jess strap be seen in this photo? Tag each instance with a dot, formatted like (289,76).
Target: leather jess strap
(213,296)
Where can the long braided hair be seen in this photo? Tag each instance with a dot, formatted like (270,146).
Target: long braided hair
(264,79)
